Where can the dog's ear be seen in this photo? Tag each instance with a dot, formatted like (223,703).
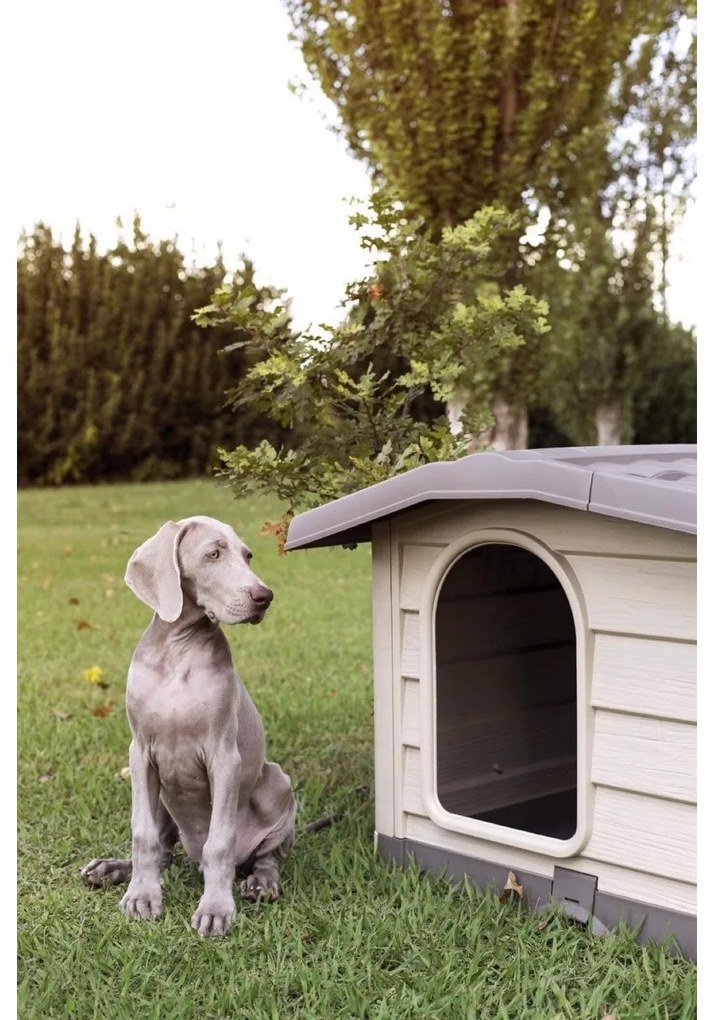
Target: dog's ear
(153,572)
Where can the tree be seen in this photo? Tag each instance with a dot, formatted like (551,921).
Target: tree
(433,305)
(114,380)
(459,103)
(602,265)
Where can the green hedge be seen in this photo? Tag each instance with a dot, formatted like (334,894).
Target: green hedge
(114,379)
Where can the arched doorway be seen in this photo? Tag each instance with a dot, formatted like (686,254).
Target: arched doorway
(506,693)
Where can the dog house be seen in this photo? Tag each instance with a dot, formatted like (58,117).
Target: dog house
(534,631)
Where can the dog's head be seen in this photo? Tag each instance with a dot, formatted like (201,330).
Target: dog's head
(201,559)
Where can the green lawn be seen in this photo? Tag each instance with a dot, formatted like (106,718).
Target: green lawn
(349,938)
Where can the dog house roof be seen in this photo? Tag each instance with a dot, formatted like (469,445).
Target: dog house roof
(654,485)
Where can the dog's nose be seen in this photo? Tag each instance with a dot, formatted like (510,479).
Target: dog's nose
(261,595)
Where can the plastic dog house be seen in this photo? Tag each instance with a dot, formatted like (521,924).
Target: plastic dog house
(534,623)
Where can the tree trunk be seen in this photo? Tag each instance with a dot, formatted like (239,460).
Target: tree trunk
(608,422)
(454,410)
(508,432)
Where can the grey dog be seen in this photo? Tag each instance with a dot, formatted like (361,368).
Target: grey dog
(197,757)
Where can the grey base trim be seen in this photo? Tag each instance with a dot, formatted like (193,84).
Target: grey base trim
(650,921)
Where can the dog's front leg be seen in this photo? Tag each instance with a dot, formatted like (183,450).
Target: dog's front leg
(216,908)
(143,897)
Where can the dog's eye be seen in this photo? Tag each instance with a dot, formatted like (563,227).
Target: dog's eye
(214,555)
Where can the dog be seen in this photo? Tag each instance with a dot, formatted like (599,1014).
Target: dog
(197,756)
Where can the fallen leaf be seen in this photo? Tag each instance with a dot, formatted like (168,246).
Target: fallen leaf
(59,714)
(610,1016)
(511,886)
(94,674)
(102,710)
(125,773)
(333,694)
(74,601)
(108,578)
(68,550)
(85,625)
(109,593)
(47,581)
(45,778)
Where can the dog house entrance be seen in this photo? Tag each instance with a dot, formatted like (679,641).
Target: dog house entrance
(506,727)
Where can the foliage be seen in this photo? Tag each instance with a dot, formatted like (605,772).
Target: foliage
(602,264)
(535,104)
(460,103)
(114,380)
(664,402)
(435,305)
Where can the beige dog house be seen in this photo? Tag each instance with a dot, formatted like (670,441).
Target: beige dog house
(534,663)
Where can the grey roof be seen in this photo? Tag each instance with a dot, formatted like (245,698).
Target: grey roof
(654,485)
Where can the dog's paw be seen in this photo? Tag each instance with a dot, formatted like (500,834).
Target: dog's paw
(259,887)
(105,871)
(214,915)
(142,901)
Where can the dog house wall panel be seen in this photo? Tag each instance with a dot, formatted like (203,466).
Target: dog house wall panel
(653,756)
(650,834)
(386,666)
(559,528)
(644,676)
(621,769)
(649,597)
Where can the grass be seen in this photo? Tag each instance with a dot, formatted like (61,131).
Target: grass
(349,937)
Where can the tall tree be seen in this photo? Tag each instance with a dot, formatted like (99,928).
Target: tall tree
(602,264)
(460,103)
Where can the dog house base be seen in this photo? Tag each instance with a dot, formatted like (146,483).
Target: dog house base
(648,920)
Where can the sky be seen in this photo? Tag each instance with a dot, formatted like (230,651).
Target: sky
(182,112)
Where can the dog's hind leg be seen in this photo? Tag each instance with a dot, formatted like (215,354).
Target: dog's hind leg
(104,871)
(262,882)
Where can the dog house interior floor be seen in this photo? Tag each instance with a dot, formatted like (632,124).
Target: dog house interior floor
(506,693)
(553,815)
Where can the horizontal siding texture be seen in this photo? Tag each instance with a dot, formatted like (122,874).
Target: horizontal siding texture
(654,756)
(644,833)
(646,677)
(654,598)
(562,529)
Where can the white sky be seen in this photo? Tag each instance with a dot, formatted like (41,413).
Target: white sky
(181,111)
